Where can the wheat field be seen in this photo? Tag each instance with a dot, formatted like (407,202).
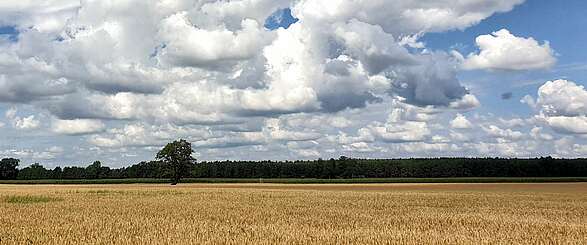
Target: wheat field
(294,214)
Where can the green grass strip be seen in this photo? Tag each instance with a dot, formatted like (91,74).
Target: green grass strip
(30,199)
(306,181)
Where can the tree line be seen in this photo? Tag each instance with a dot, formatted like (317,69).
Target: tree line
(342,167)
(174,161)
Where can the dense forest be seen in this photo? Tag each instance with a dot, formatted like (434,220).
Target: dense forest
(325,169)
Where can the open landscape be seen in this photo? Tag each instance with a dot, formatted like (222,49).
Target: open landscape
(293,122)
(465,213)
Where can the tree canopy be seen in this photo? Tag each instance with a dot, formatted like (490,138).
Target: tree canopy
(9,168)
(178,159)
(175,162)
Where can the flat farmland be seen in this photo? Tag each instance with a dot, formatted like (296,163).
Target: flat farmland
(514,213)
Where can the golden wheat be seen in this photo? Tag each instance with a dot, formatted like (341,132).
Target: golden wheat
(295,214)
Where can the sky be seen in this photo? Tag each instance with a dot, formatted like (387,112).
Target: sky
(291,79)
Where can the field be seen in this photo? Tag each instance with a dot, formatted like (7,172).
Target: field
(482,213)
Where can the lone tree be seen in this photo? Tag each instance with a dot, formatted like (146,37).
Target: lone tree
(9,168)
(178,159)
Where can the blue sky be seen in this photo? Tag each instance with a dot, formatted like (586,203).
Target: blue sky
(539,19)
(9,32)
(281,18)
(292,80)
(553,21)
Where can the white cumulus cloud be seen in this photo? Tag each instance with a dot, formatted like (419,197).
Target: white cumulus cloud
(562,105)
(461,122)
(502,50)
(349,77)
(22,123)
(77,126)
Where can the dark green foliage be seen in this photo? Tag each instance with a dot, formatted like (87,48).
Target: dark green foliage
(35,171)
(153,169)
(394,168)
(74,173)
(9,168)
(96,171)
(334,169)
(57,173)
(178,159)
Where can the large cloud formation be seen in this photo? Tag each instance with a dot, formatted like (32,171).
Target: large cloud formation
(562,105)
(211,60)
(349,75)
